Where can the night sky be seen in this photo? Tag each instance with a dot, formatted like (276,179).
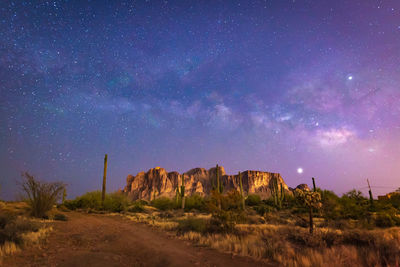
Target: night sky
(263,85)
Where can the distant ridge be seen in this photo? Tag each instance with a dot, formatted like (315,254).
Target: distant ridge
(157,182)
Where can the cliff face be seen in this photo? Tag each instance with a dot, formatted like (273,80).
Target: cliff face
(157,182)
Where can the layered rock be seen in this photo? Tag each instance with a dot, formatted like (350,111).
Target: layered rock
(157,182)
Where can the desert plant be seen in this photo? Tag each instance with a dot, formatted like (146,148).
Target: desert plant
(277,193)
(60,217)
(163,203)
(253,200)
(196,202)
(312,200)
(115,202)
(41,196)
(192,224)
(103,192)
(241,190)
(183,192)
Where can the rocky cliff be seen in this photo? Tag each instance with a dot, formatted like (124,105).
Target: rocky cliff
(157,182)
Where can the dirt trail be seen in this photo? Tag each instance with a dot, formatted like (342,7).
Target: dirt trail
(103,240)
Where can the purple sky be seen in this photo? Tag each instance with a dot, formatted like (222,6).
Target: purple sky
(262,85)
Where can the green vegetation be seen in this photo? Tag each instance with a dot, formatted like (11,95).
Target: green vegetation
(114,202)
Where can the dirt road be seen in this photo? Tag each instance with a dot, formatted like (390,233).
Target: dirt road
(103,240)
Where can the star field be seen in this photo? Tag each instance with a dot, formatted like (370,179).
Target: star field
(278,86)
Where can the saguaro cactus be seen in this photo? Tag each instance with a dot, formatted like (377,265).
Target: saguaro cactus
(220,188)
(241,190)
(103,192)
(177,195)
(278,194)
(314,187)
(183,191)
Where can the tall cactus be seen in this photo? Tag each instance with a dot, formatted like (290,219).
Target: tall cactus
(241,190)
(183,191)
(103,193)
(278,194)
(219,186)
(177,195)
(313,182)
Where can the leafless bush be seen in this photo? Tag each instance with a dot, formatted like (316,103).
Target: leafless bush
(41,196)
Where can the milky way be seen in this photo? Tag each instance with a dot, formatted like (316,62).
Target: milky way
(266,85)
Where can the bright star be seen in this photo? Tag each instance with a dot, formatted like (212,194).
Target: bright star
(350,78)
(299,170)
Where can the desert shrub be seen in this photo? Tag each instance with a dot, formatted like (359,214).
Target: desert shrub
(196,202)
(224,221)
(231,201)
(14,227)
(89,200)
(304,239)
(192,224)
(330,205)
(353,205)
(115,202)
(136,207)
(163,203)
(253,200)
(6,218)
(60,217)
(142,202)
(263,208)
(166,214)
(41,196)
(384,220)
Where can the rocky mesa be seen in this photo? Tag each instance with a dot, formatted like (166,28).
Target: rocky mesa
(157,182)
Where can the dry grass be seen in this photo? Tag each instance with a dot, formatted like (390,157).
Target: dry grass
(289,245)
(18,231)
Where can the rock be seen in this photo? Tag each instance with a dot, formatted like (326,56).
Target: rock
(157,182)
(303,187)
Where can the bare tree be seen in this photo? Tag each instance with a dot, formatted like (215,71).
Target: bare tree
(41,196)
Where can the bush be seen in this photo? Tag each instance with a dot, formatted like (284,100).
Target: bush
(262,209)
(163,203)
(253,200)
(114,202)
(136,207)
(41,196)
(225,221)
(60,217)
(89,200)
(384,220)
(192,224)
(12,228)
(196,202)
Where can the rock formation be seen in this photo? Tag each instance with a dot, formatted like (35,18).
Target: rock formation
(157,182)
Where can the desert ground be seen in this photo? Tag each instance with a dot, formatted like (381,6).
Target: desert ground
(113,240)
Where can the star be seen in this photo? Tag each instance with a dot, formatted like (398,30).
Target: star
(299,170)
(350,78)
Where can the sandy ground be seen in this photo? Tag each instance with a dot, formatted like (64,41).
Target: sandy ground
(104,240)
